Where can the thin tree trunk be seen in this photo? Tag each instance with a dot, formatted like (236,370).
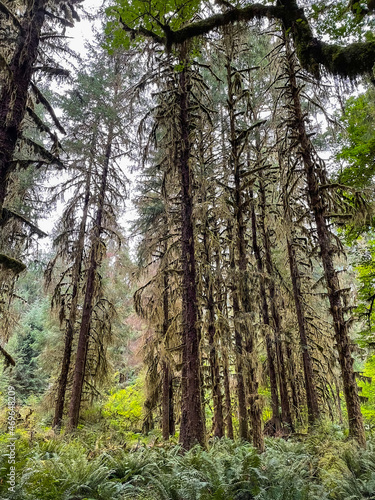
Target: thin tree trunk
(69,334)
(14,92)
(241,296)
(311,396)
(356,427)
(215,374)
(166,402)
(293,383)
(213,356)
(241,396)
(228,403)
(266,321)
(80,365)
(192,424)
(283,385)
(172,424)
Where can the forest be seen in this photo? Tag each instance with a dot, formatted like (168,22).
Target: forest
(187,250)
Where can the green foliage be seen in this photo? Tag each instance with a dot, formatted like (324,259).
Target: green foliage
(226,471)
(56,470)
(368,391)
(27,377)
(289,472)
(324,466)
(366,293)
(359,152)
(339,22)
(152,16)
(124,407)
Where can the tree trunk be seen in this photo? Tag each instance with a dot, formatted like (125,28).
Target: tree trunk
(311,396)
(241,296)
(283,384)
(266,321)
(241,396)
(228,403)
(215,374)
(213,355)
(69,333)
(166,402)
(192,425)
(80,365)
(317,205)
(14,93)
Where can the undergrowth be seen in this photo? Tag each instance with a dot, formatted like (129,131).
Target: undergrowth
(323,465)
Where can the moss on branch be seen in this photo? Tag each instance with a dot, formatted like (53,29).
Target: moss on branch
(254,11)
(11,264)
(349,61)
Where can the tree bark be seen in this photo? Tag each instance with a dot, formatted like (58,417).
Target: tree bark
(241,292)
(213,355)
(228,402)
(241,395)
(192,424)
(311,396)
(166,381)
(276,323)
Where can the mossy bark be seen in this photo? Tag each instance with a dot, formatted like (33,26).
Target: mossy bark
(192,429)
(334,292)
(11,264)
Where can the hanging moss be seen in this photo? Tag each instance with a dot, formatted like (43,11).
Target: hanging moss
(11,264)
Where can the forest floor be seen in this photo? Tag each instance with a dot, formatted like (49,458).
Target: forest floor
(100,463)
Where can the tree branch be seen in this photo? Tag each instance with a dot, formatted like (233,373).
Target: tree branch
(350,61)
(7,356)
(7,12)
(12,264)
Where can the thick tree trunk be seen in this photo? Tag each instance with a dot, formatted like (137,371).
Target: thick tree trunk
(317,205)
(14,92)
(69,333)
(192,424)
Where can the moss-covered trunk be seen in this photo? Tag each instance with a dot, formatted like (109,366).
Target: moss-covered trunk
(192,424)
